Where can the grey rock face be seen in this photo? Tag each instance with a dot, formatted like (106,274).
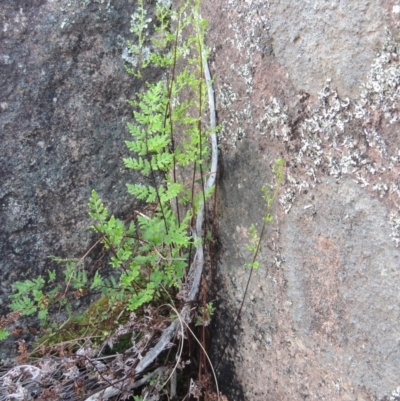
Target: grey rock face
(321,319)
(316,40)
(342,283)
(63,113)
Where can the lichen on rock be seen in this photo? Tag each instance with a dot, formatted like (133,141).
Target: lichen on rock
(322,92)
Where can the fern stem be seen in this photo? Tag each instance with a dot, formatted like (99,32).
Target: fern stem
(169,108)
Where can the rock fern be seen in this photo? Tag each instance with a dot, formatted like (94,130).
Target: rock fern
(149,255)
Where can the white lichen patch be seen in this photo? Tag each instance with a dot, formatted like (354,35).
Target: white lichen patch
(165,3)
(395,396)
(248,24)
(329,140)
(336,137)
(381,91)
(394,221)
(286,200)
(64,5)
(249,20)
(328,123)
(274,119)
(133,59)
(232,126)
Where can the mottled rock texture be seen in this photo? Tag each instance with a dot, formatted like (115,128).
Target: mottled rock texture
(316,39)
(317,83)
(63,113)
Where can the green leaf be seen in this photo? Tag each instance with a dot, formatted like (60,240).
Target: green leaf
(97,281)
(27,286)
(144,296)
(25,305)
(137,146)
(79,279)
(162,161)
(130,275)
(158,277)
(254,265)
(137,132)
(37,295)
(143,192)
(43,314)
(177,236)
(52,293)
(52,275)
(115,231)
(159,142)
(98,211)
(115,262)
(140,164)
(3,334)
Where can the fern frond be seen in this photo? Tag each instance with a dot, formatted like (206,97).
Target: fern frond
(137,164)
(3,334)
(97,281)
(136,131)
(97,209)
(27,286)
(144,296)
(25,305)
(162,161)
(158,143)
(143,192)
(137,146)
